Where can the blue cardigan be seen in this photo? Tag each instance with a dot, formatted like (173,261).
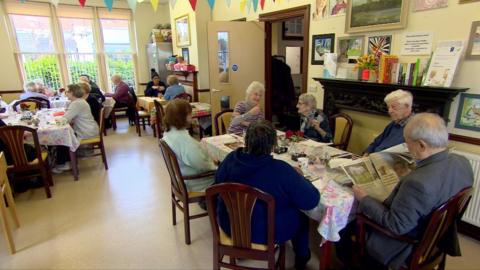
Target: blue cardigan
(291,191)
(391,136)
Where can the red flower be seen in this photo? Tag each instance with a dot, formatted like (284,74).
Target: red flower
(288,134)
(299,134)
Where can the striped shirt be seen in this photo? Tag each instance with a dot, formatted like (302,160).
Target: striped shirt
(243,108)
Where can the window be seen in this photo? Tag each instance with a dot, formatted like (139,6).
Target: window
(223,62)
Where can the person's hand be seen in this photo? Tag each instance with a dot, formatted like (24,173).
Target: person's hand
(366,154)
(314,122)
(245,123)
(216,162)
(255,110)
(155,87)
(359,193)
(298,170)
(161,88)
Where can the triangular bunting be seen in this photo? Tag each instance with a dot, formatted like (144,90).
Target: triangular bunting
(262,4)
(132,4)
(154,4)
(173,3)
(109,4)
(211,3)
(228,2)
(243,3)
(249,5)
(255,5)
(82,2)
(193,3)
(55,2)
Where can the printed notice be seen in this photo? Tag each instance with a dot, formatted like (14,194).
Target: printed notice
(419,43)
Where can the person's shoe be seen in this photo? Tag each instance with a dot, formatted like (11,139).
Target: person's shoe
(203,205)
(61,168)
(301,262)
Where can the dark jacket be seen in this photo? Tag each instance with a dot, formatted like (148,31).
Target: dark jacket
(96,93)
(275,177)
(310,131)
(436,179)
(150,92)
(95,107)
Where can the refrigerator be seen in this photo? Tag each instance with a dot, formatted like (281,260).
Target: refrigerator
(157,54)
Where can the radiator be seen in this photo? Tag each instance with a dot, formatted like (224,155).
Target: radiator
(472,214)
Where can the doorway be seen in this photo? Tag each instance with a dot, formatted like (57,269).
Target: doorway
(281,32)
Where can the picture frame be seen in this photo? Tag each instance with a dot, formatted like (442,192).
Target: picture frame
(468,113)
(473,46)
(422,5)
(186,55)
(182,31)
(350,48)
(364,16)
(292,29)
(337,7)
(467,1)
(322,44)
(379,42)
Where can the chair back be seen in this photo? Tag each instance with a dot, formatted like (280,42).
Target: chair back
(222,121)
(427,251)
(341,125)
(159,113)
(176,178)
(3,170)
(185,96)
(133,95)
(240,200)
(45,103)
(13,138)
(31,103)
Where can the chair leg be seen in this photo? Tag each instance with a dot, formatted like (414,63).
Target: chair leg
(46,182)
(154,130)
(325,255)
(281,258)
(143,123)
(6,226)
(441,266)
(49,173)
(174,211)
(137,126)
(74,164)
(186,222)
(11,204)
(104,155)
(114,120)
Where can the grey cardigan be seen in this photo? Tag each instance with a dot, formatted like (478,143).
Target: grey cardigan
(78,114)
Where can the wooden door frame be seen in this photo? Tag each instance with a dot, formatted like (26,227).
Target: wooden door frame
(278,16)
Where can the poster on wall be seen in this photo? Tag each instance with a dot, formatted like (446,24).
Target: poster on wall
(444,63)
(418,43)
(382,44)
(468,113)
(337,7)
(349,49)
(420,5)
(473,49)
(321,10)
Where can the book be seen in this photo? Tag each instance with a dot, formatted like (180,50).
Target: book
(444,63)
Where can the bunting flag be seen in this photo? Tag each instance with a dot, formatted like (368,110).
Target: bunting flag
(255,5)
(262,4)
(193,3)
(172,3)
(55,2)
(243,3)
(132,4)
(154,5)
(249,5)
(109,4)
(82,2)
(211,3)
(228,2)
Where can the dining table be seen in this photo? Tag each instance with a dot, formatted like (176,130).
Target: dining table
(147,103)
(334,209)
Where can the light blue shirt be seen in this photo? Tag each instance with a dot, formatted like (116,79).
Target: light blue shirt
(173,90)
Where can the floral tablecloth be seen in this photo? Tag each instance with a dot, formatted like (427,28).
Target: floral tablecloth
(49,132)
(333,210)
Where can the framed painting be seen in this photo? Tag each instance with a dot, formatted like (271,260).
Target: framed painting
(186,55)
(349,49)
(292,29)
(468,114)
(473,47)
(467,1)
(337,7)
(182,31)
(420,5)
(380,43)
(363,16)
(322,44)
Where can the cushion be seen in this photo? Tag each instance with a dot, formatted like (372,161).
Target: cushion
(195,194)
(90,141)
(35,161)
(227,241)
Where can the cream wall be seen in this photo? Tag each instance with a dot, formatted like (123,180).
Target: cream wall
(144,19)
(453,22)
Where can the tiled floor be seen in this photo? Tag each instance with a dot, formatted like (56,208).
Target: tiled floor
(121,218)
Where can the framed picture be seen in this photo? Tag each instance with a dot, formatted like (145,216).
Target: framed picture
(467,1)
(349,49)
(186,55)
(182,31)
(473,47)
(380,43)
(337,7)
(292,29)
(322,44)
(365,16)
(419,5)
(321,10)
(468,114)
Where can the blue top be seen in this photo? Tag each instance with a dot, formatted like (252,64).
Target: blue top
(173,90)
(391,136)
(291,191)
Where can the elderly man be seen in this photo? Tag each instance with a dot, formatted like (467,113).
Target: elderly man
(31,91)
(122,97)
(438,177)
(399,105)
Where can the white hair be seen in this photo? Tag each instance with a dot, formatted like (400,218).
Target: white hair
(256,87)
(30,87)
(308,99)
(428,127)
(400,96)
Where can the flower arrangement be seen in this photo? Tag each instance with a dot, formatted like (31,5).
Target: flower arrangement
(367,61)
(294,136)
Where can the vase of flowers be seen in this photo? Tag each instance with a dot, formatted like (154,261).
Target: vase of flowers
(368,64)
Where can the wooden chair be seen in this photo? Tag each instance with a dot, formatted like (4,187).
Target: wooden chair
(96,143)
(13,138)
(222,121)
(113,115)
(31,103)
(6,192)
(159,113)
(45,103)
(181,198)
(240,200)
(185,96)
(141,117)
(341,125)
(425,254)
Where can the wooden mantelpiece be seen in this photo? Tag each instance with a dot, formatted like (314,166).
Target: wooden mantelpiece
(368,96)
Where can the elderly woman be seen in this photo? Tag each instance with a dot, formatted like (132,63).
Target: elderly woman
(155,86)
(399,103)
(173,89)
(79,116)
(31,90)
(313,122)
(95,105)
(248,111)
(255,166)
(192,158)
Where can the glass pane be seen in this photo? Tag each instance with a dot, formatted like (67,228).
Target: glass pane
(79,64)
(77,35)
(223,61)
(33,33)
(116,37)
(43,67)
(121,64)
